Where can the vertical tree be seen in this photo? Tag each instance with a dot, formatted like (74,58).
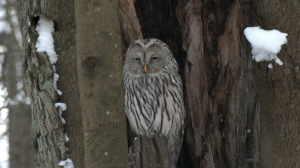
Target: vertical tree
(279,89)
(221,91)
(100,81)
(87,41)
(19,117)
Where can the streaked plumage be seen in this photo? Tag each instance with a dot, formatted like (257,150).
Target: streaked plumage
(153,93)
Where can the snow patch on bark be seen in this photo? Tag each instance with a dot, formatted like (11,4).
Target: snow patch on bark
(265,43)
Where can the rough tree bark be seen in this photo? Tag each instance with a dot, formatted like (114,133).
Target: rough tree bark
(218,73)
(88,45)
(47,128)
(221,92)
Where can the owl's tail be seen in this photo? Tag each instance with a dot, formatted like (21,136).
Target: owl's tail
(174,142)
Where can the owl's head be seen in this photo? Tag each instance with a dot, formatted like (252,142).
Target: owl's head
(148,57)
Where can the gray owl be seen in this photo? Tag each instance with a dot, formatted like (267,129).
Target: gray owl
(153,93)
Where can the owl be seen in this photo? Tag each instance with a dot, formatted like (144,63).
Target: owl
(153,93)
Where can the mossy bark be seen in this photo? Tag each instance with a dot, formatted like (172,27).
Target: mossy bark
(47,128)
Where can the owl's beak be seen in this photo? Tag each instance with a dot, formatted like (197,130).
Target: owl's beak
(145,68)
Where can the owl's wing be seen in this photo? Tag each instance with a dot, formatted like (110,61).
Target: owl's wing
(169,115)
(175,107)
(168,106)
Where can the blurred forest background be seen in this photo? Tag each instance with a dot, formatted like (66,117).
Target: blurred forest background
(15,117)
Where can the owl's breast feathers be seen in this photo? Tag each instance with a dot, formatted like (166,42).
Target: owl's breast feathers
(154,103)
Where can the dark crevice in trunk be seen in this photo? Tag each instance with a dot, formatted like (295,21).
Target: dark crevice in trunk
(158,20)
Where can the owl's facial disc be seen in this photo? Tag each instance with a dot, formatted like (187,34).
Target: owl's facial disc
(134,61)
(155,59)
(142,61)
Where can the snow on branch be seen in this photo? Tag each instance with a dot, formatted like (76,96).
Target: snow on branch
(265,43)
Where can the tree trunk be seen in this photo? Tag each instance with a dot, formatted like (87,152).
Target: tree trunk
(221,92)
(21,153)
(47,128)
(65,46)
(89,66)
(217,69)
(279,89)
(99,64)
(19,117)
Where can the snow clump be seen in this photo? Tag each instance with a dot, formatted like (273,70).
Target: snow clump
(61,107)
(45,41)
(66,163)
(265,43)
(270,66)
